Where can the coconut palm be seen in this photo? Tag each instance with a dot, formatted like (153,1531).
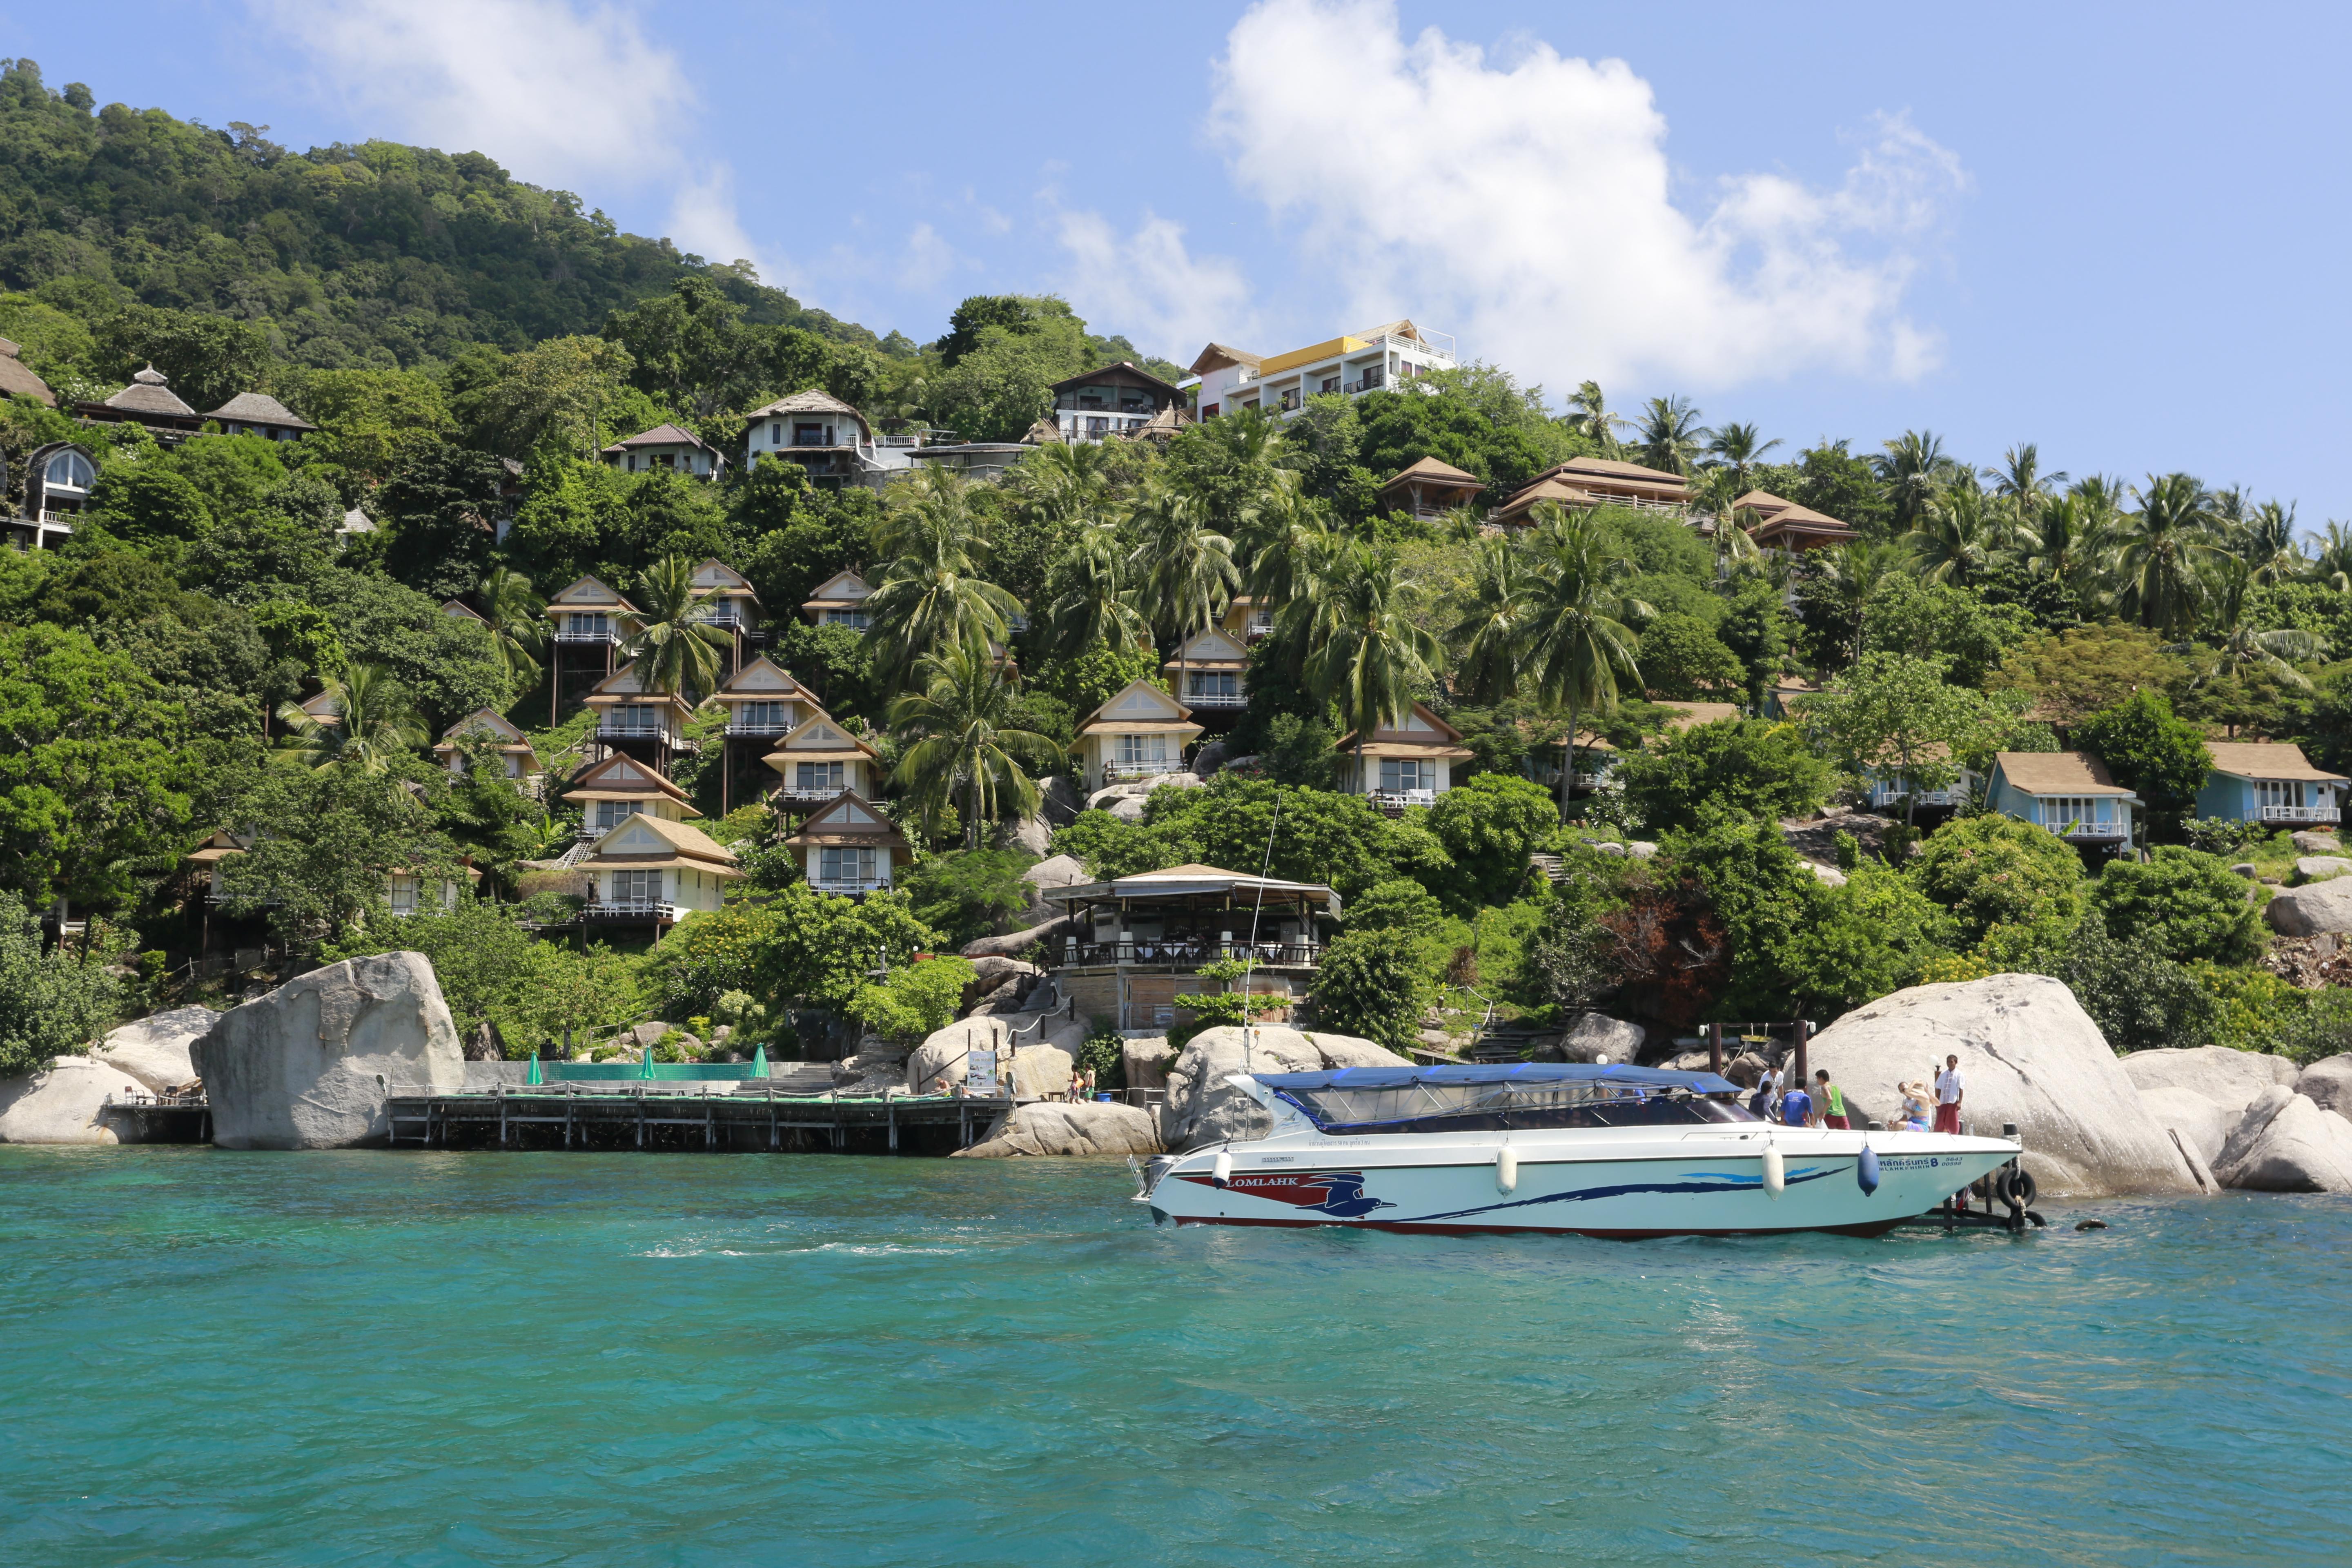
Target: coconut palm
(1088,600)
(1182,569)
(1493,629)
(932,595)
(371,720)
(1737,447)
(1851,574)
(1286,533)
(1719,494)
(675,651)
(2265,541)
(2164,551)
(1065,483)
(518,636)
(2021,485)
(1670,434)
(2230,620)
(965,749)
(1579,645)
(1589,416)
(929,518)
(1462,525)
(2068,541)
(1369,656)
(1911,471)
(2333,565)
(1956,538)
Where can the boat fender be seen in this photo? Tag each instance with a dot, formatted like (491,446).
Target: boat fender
(1775,1172)
(1507,1170)
(1221,1172)
(2019,1191)
(1866,1171)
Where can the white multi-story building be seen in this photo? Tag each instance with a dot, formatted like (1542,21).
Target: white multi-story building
(1228,379)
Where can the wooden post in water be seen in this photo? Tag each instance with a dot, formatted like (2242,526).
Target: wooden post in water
(1715,1049)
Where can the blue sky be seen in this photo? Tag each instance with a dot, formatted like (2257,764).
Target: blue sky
(2116,231)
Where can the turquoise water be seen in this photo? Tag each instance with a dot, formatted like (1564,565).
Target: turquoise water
(440,1359)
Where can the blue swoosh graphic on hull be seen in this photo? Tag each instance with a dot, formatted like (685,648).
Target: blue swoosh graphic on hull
(1722,1182)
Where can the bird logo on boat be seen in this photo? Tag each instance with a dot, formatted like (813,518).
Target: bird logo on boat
(1340,1193)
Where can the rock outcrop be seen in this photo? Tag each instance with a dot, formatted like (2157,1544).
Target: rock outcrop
(2285,1143)
(1125,799)
(2228,1079)
(154,1049)
(66,1103)
(1594,1037)
(2327,1084)
(310,1065)
(2316,843)
(1202,1108)
(2311,910)
(1050,932)
(1146,1061)
(1090,1130)
(2319,868)
(2192,1120)
(942,1060)
(1040,1072)
(2030,1057)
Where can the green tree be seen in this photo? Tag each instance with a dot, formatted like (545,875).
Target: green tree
(2158,757)
(1684,661)
(964,750)
(1669,437)
(1893,716)
(52,1003)
(1402,904)
(915,1000)
(1370,657)
(671,646)
(1371,984)
(1874,935)
(1579,648)
(1738,765)
(436,509)
(965,896)
(933,597)
(2180,903)
(512,608)
(2082,669)
(374,721)
(1489,824)
(1912,472)
(1992,870)
(325,846)
(566,391)
(2163,553)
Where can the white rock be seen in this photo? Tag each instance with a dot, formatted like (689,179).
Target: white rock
(1091,1130)
(2327,1084)
(1031,835)
(1349,1050)
(1040,1072)
(2029,1055)
(64,1104)
(2316,843)
(2229,1079)
(1594,1037)
(1640,848)
(941,1061)
(2285,1143)
(2199,1122)
(154,1049)
(1202,1108)
(1829,875)
(2319,868)
(1139,790)
(2309,910)
(1147,1061)
(1612,849)
(1055,871)
(310,1065)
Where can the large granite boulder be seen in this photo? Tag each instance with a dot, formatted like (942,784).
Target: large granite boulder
(1595,1037)
(2316,843)
(2327,1084)
(2192,1120)
(2285,1143)
(2030,1057)
(66,1104)
(942,1060)
(310,1065)
(2309,910)
(2229,1079)
(1041,1072)
(154,1049)
(1031,835)
(1146,1061)
(1093,1129)
(1055,871)
(1202,1108)
(1050,932)
(2319,868)
(1125,799)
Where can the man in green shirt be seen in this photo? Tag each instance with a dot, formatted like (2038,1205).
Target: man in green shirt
(1831,1099)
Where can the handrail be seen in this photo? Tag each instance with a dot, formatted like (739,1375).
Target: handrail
(1186,950)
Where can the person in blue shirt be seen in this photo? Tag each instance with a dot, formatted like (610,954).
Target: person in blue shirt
(1795,1108)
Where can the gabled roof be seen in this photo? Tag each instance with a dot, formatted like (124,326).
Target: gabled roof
(1688,715)
(1542,490)
(761,677)
(663,435)
(1430,470)
(715,575)
(150,393)
(259,408)
(648,842)
(484,720)
(810,402)
(623,686)
(1210,646)
(847,818)
(840,590)
(1776,515)
(1217,356)
(1123,374)
(1615,468)
(588,593)
(622,777)
(818,739)
(2058,773)
(1138,706)
(323,707)
(1419,733)
(458,610)
(355,521)
(2267,760)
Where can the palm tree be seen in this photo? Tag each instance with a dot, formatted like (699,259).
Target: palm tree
(1911,471)
(1286,533)
(374,719)
(1578,647)
(2166,550)
(1735,448)
(1462,525)
(1669,434)
(1853,571)
(931,595)
(2228,618)
(965,749)
(2023,488)
(1719,494)
(1589,416)
(1183,569)
(1371,656)
(518,636)
(673,649)
(2266,541)
(2334,565)
(1955,539)
(1065,483)
(1088,601)
(2068,541)
(1493,629)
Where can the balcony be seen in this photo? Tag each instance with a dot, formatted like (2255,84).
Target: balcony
(809,795)
(853,884)
(632,730)
(1392,801)
(1260,625)
(628,909)
(2094,831)
(1372,382)
(2296,813)
(1142,769)
(1182,950)
(1884,795)
(759,726)
(571,629)
(1216,700)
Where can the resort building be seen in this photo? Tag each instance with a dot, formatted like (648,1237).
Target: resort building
(1208,671)
(1139,731)
(2069,793)
(2269,782)
(1596,481)
(1133,944)
(510,745)
(727,602)
(458,610)
(1247,619)
(620,788)
(587,614)
(1429,488)
(1228,379)
(1887,788)
(826,437)
(652,870)
(17,377)
(666,447)
(258,414)
(848,845)
(632,715)
(1115,400)
(1409,761)
(149,400)
(403,887)
(1785,526)
(58,478)
(818,760)
(764,703)
(840,601)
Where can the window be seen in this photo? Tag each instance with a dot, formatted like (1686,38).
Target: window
(596,625)
(808,436)
(1089,397)
(611,813)
(1401,773)
(1215,683)
(764,715)
(1290,400)
(403,893)
(2058,811)
(847,863)
(853,619)
(817,776)
(776,434)
(633,462)
(637,887)
(1208,411)
(1134,751)
(2277,791)
(633,721)
(1330,383)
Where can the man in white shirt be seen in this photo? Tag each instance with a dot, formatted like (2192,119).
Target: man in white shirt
(1948,1091)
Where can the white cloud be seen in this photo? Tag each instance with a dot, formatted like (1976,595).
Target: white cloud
(1529,208)
(1150,286)
(929,260)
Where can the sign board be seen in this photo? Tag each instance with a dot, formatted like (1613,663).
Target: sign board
(980,1074)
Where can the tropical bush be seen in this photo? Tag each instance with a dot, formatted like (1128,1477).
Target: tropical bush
(915,1000)
(1737,765)
(1992,871)
(2180,903)
(1371,984)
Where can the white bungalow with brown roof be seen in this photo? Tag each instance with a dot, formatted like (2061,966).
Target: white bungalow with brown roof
(629,711)
(1139,731)
(817,430)
(2069,793)
(17,377)
(819,760)
(510,745)
(666,447)
(1429,488)
(258,414)
(620,788)
(1407,762)
(1785,526)
(840,601)
(727,598)
(848,845)
(1111,400)
(588,613)
(1248,618)
(1209,670)
(652,870)
(1597,481)
(763,699)
(2271,782)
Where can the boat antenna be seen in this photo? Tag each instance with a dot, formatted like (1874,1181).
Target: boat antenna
(1249,965)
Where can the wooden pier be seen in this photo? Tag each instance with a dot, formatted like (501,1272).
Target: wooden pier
(654,1116)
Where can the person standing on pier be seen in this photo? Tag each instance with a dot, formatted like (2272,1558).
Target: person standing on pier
(1831,1099)
(1949,1089)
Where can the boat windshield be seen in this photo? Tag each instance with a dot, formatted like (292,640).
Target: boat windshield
(1507,1107)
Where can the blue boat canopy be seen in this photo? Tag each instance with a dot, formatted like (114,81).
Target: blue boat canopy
(1476,1076)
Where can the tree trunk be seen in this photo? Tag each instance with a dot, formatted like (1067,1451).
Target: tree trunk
(1568,772)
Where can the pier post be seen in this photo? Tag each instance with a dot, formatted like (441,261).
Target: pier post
(890,1109)
(641,1119)
(710,1123)
(1804,1076)
(1715,1049)
(502,1116)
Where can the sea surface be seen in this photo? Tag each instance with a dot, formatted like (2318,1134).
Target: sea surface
(441,1358)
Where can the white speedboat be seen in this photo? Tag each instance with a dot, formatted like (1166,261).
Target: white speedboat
(1607,1150)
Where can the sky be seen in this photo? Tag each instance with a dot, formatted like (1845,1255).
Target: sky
(2118,232)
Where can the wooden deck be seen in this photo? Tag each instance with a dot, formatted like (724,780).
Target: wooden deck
(659,1117)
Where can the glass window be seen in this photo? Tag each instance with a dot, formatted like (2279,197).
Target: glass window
(1134,749)
(847,863)
(70,471)
(611,813)
(1215,683)
(637,887)
(818,775)
(1399,774)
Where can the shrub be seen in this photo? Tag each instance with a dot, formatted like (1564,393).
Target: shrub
(2254,1010)
(2219,835)
(1994,870)
(1105,1055)
(1371,984)
(1879,933)
(2139,1001)
(963,894)
(1225,1006)
(1763,898)
(2149,751)
(915,1000)
(51,1004)
(2182,904)
(1488,825)
(1395,905)
(1747,765)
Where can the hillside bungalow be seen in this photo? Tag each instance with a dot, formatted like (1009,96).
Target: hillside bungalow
(632,714)
(458,610)
(819,760)
(403,888)
(1208,670)
(1886,787)
(1786,700)
(1139,731)
(2269,782)
(620,788)
(58,478)
(848,845)
(1785,526)
(650,870)
(1429,488)
(17,377)
(1408,762)
(1394,353)
(258,414)
(588,613)
(1113,400)
(2069,793)
(510,745)
(761,702)
(726,599)
(1248,618)
(1133,944)
(1596,481)
(666,447)
(149,400)
(840,601)
(1690,715)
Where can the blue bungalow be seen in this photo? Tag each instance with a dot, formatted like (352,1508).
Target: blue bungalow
(2069,793)
(2269,782)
